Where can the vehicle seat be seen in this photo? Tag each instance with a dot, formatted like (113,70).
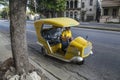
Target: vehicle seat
(52,35)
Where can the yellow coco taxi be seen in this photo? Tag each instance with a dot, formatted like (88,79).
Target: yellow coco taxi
(49,32)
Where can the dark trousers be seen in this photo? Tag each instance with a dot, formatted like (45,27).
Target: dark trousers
(64,45)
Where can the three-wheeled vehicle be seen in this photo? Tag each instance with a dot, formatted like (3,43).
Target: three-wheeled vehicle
(48,33)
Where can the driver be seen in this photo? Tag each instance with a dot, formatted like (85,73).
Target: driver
(66,37)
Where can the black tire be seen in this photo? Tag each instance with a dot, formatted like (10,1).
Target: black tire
(81,63)
(43,50)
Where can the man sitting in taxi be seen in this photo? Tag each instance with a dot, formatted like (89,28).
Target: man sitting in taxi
(66,37)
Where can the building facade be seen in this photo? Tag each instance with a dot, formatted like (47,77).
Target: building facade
(81,10)
(110,11)
(73,9)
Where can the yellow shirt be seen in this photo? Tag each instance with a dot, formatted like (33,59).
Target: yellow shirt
(66,34)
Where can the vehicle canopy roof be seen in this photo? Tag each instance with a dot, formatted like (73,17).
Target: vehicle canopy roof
(57,22)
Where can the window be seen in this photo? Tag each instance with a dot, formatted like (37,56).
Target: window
(90,9)
(67,14)
(67,5)
(106,12)
(71,14)
(114,12)
(89,18)
(76,3)
(75,15)
(71,4)
(83,4)
(91,2)
(51,34)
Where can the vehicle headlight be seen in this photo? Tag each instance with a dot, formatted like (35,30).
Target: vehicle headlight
(87,49)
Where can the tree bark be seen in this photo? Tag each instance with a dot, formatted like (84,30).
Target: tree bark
(18,35)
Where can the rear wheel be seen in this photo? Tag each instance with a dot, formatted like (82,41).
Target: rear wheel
(43,50)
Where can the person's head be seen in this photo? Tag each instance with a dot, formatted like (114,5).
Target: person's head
(67,28)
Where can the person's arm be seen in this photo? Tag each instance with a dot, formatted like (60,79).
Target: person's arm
(70,36)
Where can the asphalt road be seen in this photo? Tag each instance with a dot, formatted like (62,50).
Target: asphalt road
(104,64)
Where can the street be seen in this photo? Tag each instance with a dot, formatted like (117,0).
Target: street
(104,64)
(99,24)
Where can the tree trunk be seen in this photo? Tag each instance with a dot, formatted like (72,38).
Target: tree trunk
(18,35)
(119,14)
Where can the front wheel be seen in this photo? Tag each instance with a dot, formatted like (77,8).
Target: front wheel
(81,62)
(43,50)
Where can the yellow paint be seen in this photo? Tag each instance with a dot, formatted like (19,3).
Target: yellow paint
(75,46)
(56,47)
(58,22)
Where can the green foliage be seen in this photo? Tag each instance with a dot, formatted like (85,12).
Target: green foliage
(47,5)
(60,5)
(5,12)
(4,2)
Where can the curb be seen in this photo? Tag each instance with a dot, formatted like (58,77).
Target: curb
(43,73)
(100,28)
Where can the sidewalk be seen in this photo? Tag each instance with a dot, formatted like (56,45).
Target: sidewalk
(100,26)
(5,49)
(5,53)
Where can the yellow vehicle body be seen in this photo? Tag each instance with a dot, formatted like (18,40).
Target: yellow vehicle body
(78,48)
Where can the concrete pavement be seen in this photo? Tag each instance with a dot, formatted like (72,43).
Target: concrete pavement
(5,53)
(5,49)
